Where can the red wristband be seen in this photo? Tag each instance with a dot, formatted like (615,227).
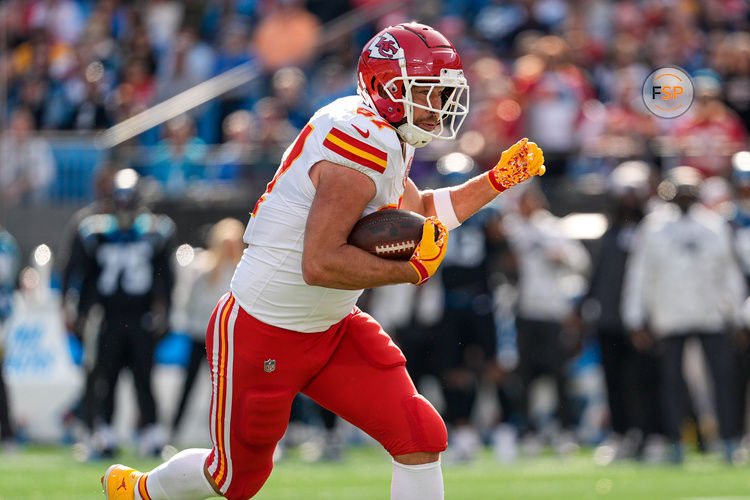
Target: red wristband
(493,177)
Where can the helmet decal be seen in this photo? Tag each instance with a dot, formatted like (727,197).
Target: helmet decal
(406,56)
(384,46)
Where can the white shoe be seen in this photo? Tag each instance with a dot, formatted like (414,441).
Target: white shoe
(103,442)
(565,444)
(333,449)
(531,446)
(505,443)
(629,445)
(654,450)
(152,440)
(463,445)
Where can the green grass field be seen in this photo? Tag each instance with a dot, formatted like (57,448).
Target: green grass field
(50,473)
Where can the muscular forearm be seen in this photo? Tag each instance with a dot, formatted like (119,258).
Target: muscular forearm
(348,268)
(517,164)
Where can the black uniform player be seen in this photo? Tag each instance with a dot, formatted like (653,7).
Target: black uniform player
(125,258)
(467,330)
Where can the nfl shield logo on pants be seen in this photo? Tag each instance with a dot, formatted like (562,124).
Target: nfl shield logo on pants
(269,365)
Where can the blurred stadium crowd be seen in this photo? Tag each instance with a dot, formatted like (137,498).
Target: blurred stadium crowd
(523,294)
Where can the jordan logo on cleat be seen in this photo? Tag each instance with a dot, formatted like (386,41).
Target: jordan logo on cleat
(122,485)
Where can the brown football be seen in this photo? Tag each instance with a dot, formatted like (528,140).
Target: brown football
(391,234)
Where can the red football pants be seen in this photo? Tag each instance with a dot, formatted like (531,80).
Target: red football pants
(353,369)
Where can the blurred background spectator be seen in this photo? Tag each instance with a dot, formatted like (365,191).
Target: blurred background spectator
(27,166)
(550,269)
(234,160)
(710,133)
(124,258)
(629,371)
(179,159)
(738,213)
(684,281)
(9,267)
(212,271)
(466,331)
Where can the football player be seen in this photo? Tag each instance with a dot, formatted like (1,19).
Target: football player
(740,222)
(124,258)
(9,264)
(289,323)
(467,339)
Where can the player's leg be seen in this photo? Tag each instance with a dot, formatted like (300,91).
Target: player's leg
(365,382)
(140,359)
(197,355)
(468,344)
(182,477)
(672,391)
(717,349)
(458,378)
(250,402)
(109,362)
(256,371)
(6,429)
(528,354)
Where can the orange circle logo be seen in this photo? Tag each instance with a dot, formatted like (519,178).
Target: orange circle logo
(668,92)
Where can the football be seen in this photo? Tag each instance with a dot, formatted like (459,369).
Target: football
(391,234)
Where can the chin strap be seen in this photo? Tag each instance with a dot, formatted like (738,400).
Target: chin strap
(413,135)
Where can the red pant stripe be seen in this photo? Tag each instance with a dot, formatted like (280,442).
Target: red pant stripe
(142,490)
(228,395)
(220,391)
(212,344)
(212,348)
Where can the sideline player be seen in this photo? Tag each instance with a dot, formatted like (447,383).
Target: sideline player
(289,323)
(124,258)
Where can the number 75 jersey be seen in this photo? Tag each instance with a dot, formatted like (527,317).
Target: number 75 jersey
(125,269)
(268,281)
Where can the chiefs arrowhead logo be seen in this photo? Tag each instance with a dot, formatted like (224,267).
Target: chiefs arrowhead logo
(385,47)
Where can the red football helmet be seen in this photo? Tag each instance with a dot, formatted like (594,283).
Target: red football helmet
(407,55)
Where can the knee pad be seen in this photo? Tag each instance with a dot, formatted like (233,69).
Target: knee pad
(264,419)
(428,430)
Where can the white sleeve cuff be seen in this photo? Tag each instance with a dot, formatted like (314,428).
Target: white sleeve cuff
(441,198)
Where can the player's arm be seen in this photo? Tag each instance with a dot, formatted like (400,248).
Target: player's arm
(342,194)
(466,198)
(456,204)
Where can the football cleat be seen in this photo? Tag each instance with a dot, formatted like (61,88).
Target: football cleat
(120,482)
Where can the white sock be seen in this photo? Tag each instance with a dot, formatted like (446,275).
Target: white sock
(180,478)
(423,482)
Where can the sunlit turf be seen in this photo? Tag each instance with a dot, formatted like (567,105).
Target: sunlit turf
(50,473)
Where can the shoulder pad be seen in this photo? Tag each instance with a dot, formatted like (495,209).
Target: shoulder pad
(150,223)
(97,224)
(352,116)
(7,243)
(165,226)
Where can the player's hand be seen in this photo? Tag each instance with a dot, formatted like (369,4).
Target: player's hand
(430,251)
(75,325)
(642,339)
(517,164)
(741,339)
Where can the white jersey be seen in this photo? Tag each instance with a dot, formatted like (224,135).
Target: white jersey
(268,281)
